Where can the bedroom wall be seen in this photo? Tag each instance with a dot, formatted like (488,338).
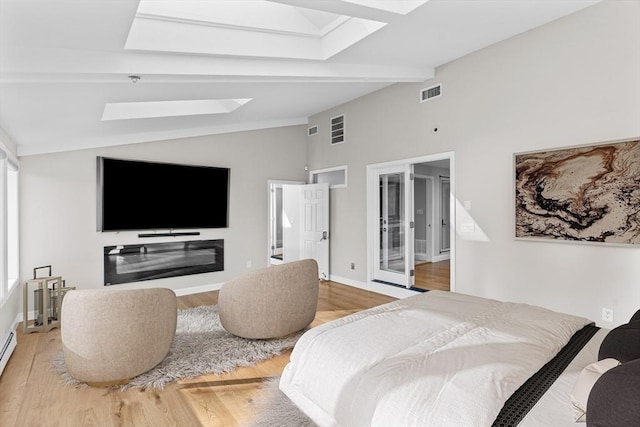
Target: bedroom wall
(58,203)
(571,82)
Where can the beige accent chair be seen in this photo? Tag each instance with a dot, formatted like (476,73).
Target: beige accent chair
(271,302)
(112,335)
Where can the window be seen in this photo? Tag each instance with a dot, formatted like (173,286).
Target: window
(335,177)
(9,253)
(12,227)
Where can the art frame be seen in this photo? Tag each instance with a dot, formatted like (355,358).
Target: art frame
(580,194)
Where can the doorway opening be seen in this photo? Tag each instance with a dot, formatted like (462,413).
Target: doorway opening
(276,233)
(410,214)
(299,223)
(432,204)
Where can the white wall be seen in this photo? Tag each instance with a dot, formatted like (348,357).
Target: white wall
(571,82)
(58,203)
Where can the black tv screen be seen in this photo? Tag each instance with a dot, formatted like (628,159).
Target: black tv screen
(137,195)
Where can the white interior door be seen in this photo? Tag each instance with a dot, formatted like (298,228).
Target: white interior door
(394,249)
(306,224)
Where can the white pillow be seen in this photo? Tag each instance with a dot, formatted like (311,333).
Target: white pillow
(583,386)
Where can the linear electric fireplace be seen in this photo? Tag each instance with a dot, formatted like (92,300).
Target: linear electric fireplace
(134,263)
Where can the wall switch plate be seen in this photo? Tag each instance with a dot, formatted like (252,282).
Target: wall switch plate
(467,205)
(607,315)
(249,264)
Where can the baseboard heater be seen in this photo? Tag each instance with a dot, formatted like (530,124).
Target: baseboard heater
(184,233)
(8,345)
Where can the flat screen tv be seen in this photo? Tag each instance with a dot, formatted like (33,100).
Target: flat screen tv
(138,195)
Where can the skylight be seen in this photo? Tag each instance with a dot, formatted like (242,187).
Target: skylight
(253,28)
(145,110)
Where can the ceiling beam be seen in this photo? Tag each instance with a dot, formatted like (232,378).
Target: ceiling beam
(64,65)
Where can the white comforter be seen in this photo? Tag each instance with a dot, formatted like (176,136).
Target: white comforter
(436,359)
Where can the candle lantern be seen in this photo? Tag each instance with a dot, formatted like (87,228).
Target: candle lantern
(47,301)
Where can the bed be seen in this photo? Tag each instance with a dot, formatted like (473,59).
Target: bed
(440,359)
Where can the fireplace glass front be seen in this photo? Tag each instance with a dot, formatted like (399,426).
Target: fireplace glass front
(134,263)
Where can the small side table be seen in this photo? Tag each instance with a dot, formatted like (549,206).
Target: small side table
(50,315)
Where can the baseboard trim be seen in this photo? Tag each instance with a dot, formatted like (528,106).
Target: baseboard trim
(198,289)
(441,257)
(178,292)
(371,286)
(17,321)
(378,288)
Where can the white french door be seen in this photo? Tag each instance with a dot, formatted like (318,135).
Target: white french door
(394,249)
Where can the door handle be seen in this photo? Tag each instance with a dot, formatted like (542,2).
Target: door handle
(325,236)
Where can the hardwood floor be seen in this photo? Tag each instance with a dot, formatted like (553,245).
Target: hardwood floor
(433,276)
(31,393)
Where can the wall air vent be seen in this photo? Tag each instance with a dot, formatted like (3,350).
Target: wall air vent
(337,129)
(312,130)
(430,93)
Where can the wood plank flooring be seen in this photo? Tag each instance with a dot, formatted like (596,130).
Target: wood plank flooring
(31,393)
(433,276)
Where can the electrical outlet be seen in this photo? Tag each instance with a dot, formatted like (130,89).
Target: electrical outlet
(607,315)
(353,265)
(249,264)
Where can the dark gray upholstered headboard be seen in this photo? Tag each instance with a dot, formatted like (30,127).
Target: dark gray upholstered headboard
(615,398)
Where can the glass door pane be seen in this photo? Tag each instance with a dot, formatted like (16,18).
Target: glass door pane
(392,216)
(445,232)
(394,249)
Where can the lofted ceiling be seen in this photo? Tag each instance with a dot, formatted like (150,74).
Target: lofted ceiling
(216,66)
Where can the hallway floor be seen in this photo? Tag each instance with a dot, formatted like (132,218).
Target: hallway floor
(433,275)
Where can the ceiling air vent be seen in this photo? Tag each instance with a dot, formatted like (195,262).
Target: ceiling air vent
(337,129)
(312,130)
(430,92)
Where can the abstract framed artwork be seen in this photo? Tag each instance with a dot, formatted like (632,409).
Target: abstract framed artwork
(580,194)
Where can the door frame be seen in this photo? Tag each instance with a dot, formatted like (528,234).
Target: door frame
(272,184)
(372,208)
(442,251)
(429,214)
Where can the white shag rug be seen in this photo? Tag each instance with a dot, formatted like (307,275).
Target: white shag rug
(201,346)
